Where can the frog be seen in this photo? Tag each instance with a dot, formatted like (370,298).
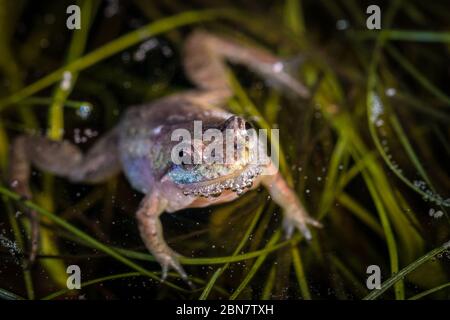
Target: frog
(141,147)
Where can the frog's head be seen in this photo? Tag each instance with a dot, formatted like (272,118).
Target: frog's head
(224,159)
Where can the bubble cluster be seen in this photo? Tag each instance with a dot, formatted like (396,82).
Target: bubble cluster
(12,246)
(83,136)
(377,109)
(144,48)
(435,214)
(236,184)
(430,195)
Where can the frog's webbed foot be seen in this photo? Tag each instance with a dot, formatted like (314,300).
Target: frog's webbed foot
(299,219)
(151,207)
(169,260)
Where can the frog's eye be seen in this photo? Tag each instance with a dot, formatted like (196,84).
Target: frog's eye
(248,125)
(187,162)
(187,157)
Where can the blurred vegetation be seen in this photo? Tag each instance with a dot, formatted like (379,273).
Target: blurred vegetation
(368,154)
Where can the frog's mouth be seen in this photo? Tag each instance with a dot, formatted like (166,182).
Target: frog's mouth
(237,182)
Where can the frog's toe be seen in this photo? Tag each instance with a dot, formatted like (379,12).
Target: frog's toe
(288,228)
(301,224)
(290,224)
(313,222)
(170,261)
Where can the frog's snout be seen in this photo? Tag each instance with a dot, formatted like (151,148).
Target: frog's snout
(236,123)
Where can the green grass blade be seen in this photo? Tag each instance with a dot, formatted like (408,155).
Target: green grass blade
(7,295)
(360,212)
(29,286)
(267,291)
(428,292)
(214,260)
(84,236)
(63,90)
(114,277)
(113,47)
(300,273)
(404,35)
(46,101)
(405,271)
(91,282)
(330,190)
(238,249)
(373,100)
(390,238)
(255,267)
(416,74)
(293,16)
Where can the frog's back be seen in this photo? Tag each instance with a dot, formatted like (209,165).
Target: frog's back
(145,132)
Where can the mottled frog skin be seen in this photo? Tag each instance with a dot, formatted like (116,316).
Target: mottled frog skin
(140,146)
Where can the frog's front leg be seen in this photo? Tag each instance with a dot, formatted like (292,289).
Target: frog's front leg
(295,215)
(150,228)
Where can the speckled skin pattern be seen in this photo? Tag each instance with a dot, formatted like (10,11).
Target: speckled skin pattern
(140,146)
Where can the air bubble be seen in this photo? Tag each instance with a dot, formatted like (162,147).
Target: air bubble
(66,82)
(12,246)
(435,214)
(84,111)
(390,92)
(277,67)
(342,24)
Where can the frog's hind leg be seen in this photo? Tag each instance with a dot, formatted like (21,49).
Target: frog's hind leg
(61,158)
(205,55)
